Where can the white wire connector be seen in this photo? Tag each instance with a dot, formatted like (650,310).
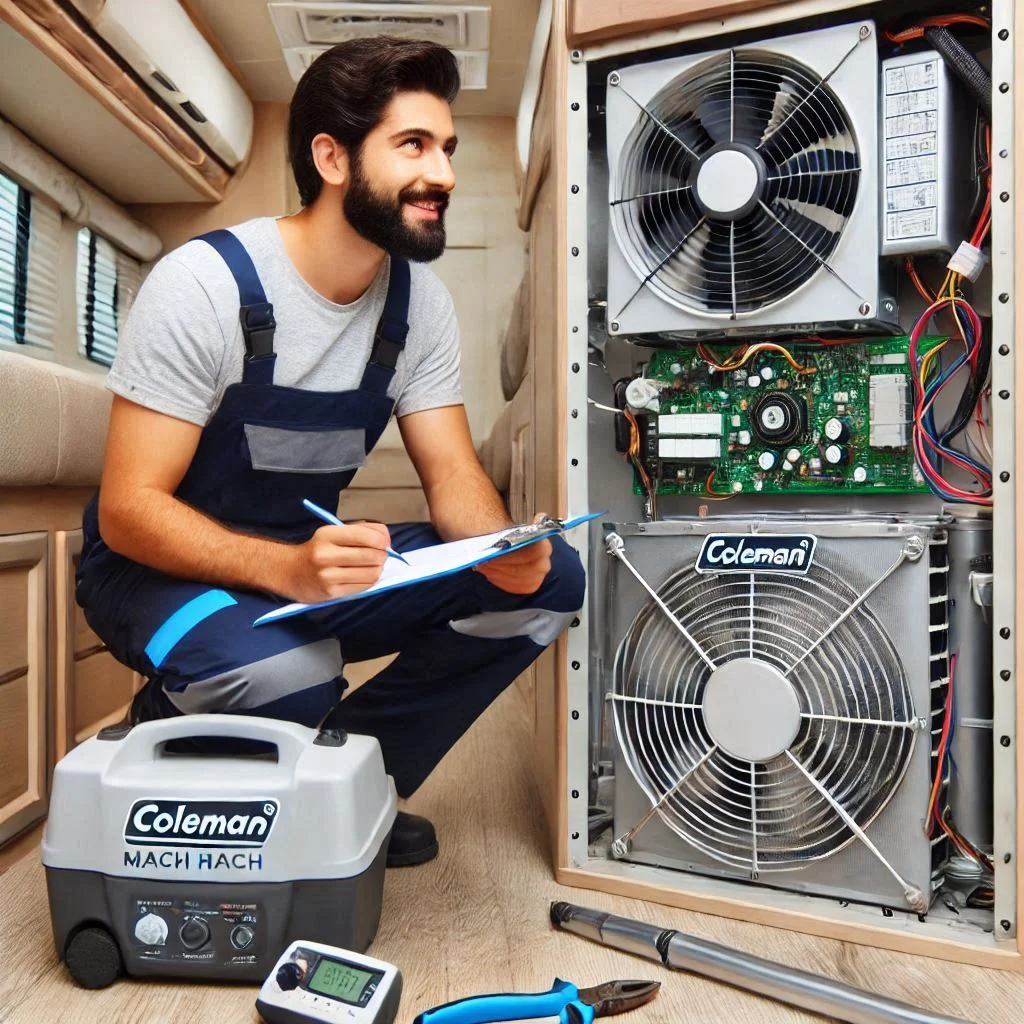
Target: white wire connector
(968,261)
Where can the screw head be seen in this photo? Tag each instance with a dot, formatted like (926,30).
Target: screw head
(575,835)
(1004,153)
(574,462)
(575,716)
(1004,297)
(575,794)
(865,31)
(575,367)
(864,308)
(1004,197)
(1004,394)
(575,622)
(575,414)
(574,106)
(1004,350)
(1004,34)
(889,306)
(575,330)
(1007,857)
(1004,675)
(613,78)
(1004,86)
(1005,632)
(1004,476)
(1005,925)
(574,189)
(576,56)
(1004,741)
(576,666)
(614,325)
(575,250)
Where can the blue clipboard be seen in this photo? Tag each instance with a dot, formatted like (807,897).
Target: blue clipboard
(440,560)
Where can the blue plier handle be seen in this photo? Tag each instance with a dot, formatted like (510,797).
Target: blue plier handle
(561,1001)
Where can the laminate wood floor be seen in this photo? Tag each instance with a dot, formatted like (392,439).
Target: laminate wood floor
(475,920)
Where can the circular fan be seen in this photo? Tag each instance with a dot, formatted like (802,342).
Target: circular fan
(726,734)
(735,183)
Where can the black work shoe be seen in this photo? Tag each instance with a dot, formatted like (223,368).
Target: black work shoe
(413,841)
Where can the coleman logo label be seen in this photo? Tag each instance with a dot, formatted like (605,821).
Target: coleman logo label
(243,824)
(745,552)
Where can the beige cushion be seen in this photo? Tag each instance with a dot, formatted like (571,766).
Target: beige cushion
(53,423)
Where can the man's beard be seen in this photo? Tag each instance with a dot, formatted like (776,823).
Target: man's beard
(379,219)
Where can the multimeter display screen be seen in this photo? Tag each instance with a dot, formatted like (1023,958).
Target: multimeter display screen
(341,981)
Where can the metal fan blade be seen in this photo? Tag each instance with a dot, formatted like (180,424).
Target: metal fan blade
(779,124)
(822,262)
(816,226)
(757,96)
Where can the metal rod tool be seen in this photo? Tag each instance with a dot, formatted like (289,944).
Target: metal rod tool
(683,952)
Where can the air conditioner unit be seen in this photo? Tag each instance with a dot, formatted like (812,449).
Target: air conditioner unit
(778,693)
(173,59)
(308,27)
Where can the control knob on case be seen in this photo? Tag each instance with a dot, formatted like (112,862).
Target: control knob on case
(241,936)
(194,933)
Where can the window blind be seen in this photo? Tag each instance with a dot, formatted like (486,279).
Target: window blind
(107,283)
(29,238)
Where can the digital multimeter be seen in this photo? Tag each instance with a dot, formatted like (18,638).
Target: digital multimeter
(313,982)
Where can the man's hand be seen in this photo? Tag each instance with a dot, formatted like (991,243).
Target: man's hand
(338,560)
(521,571)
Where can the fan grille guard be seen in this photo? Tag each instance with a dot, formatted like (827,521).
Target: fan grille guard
(735,183)
(764,815)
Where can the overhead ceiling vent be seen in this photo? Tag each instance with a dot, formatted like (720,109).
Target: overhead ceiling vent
(308,27)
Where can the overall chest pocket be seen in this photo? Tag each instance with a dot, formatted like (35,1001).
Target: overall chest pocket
(282,450)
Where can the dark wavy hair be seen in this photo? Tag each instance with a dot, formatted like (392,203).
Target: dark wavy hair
(345,90)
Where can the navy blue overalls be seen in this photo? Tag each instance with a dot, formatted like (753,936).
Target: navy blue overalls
(460,640)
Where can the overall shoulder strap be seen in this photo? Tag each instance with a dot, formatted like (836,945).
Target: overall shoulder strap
(255,313)
(389,341)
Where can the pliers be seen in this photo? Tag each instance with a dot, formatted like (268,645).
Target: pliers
(563,1002)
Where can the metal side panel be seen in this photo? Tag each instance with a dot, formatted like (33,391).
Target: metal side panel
(1004,538)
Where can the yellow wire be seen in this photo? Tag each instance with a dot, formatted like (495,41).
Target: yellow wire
(761,347)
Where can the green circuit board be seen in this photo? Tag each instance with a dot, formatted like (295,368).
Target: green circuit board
(846,427)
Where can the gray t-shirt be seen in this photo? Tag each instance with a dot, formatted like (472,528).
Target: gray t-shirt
(182,345)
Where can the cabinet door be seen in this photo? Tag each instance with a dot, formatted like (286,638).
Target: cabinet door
(91,688)
(23,613)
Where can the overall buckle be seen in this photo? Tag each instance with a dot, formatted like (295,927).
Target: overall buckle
(258,325)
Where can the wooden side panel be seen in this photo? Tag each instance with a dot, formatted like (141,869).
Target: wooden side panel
(548,258)
(23,632)
(591,20)
(91,688)
(14,762)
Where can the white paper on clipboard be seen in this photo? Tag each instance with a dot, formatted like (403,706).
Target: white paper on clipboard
(428,563)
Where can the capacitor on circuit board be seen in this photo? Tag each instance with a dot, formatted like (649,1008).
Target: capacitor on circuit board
(837,430)
(837,455)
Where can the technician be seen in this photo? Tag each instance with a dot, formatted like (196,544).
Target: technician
(258,367)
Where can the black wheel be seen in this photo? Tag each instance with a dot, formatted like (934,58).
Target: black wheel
(92,957)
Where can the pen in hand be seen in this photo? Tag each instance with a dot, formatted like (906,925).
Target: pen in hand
(330,517)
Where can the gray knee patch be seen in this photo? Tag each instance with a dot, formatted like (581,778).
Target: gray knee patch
(260,682)
(538,624)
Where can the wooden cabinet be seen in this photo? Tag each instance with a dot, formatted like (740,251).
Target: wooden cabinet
(91,689)
(23,681)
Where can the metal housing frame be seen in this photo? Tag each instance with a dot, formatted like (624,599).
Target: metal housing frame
(1000,949)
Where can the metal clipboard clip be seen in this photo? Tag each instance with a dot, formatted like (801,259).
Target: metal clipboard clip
(542,525)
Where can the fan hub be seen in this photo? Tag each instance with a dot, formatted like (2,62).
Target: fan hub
(729,181)
(751,709)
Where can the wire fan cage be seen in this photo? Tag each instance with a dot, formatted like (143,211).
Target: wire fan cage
(854,727)
(735,184)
